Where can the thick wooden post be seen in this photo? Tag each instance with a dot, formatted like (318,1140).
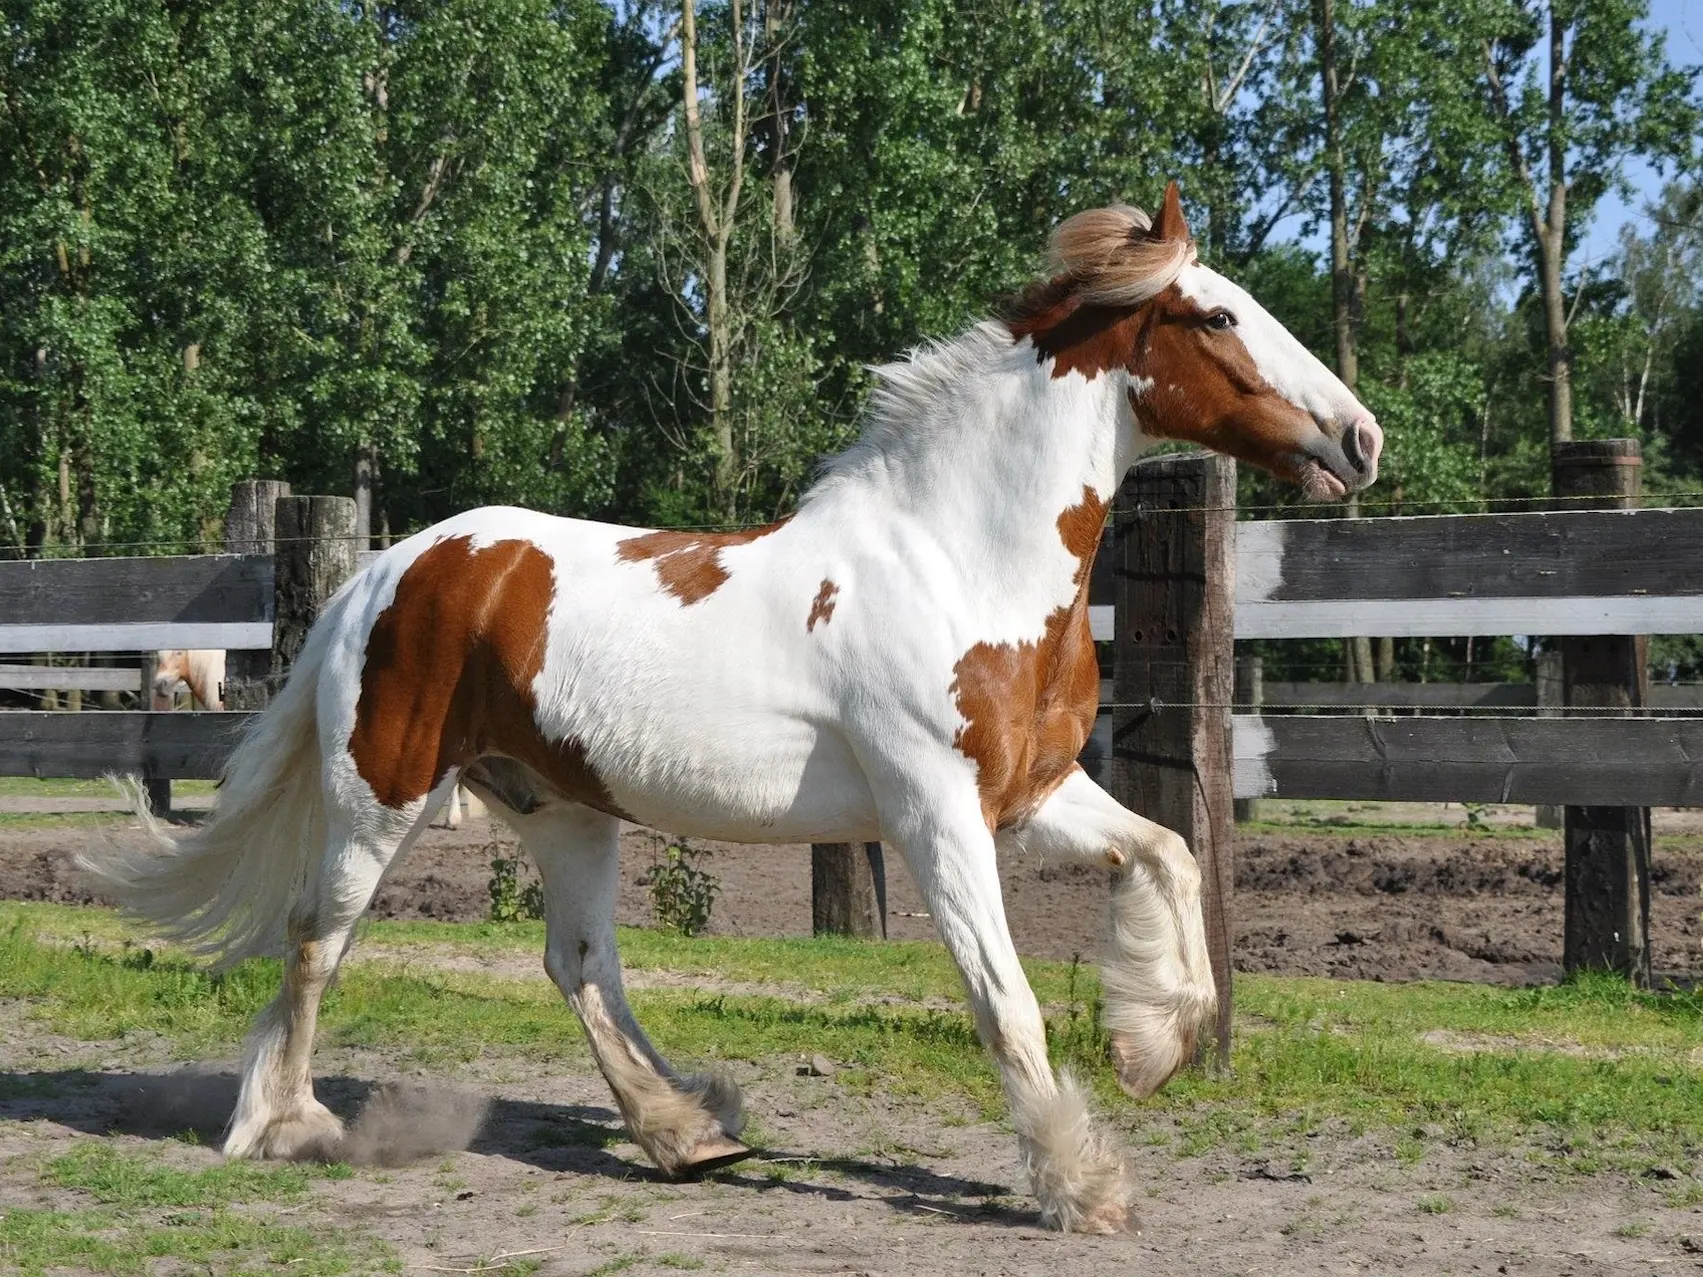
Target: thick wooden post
(1608,848)
(848,890)
(315,554)
(1250,695)
(1174,581)
(249,525)
(157,789)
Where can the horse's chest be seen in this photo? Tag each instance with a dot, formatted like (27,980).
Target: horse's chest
(1028,708)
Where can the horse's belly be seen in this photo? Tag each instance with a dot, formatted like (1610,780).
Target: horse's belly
(751,790)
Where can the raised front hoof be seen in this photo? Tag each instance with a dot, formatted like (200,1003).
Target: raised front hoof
(312,1133)
(711,1155)
(1107,1219)
(1143,1066)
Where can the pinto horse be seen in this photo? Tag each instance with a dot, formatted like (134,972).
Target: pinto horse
(907,658)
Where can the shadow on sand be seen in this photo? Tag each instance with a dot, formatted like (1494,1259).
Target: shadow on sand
(397,1124)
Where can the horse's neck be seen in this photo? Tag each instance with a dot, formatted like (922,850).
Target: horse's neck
(991,462)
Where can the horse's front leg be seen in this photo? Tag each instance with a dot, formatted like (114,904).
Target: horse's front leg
(1156,972)
(1072,1167)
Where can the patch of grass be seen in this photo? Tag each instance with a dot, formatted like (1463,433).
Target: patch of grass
(115,1178)
(36,1242)
(1632,1230)
(1436,1204)
(674,1259)
(66,787)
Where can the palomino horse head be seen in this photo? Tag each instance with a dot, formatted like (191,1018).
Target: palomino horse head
(1205,362)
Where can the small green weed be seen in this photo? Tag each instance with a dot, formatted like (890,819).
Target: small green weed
(511,900)
(1436,1204)
(682,892)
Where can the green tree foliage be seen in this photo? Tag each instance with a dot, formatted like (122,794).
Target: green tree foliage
(454,247)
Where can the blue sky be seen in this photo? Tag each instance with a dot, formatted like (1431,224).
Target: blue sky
(1683,22)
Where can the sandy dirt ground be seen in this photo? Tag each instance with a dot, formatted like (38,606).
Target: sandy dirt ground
(849,1183)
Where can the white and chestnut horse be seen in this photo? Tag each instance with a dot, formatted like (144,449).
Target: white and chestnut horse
(906,658)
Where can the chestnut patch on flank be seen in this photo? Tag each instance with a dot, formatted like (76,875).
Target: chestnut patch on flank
(1028,707)
(448,674)
(822,606)
(688,564)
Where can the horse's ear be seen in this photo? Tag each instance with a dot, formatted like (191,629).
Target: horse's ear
(1170,224)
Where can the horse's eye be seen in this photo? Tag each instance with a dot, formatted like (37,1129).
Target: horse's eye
(1220,320)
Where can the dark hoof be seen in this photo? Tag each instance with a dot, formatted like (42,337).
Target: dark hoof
(713,1155)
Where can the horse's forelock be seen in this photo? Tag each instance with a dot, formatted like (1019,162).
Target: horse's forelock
(1104,257)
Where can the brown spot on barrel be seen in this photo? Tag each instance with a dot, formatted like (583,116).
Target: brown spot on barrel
(822,607)
(1029,707)
(448,675)
(688,564)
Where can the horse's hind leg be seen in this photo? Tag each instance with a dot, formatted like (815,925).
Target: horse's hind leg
(683,1124)
(276,1114)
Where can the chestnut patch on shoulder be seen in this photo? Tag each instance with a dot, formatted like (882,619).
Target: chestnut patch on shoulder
(1028,707)
(822,606)
(448,674)
(688,564)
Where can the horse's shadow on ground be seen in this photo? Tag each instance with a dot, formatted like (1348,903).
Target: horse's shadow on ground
(399,1125)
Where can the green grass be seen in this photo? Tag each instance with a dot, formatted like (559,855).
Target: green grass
(114,1178)
(134,1211)
(1593,1073)
(60,787)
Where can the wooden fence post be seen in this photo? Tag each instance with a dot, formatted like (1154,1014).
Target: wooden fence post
(1250,695)
(848,890)
(316,553)
(1551,696)
(1608,848)
(1173,538)
(249,525)
(158,789)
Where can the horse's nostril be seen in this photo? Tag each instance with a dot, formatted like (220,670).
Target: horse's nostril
(1352,447)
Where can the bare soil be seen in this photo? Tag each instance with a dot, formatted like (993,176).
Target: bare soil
(1382,906)
(846,1183)
(853,1183)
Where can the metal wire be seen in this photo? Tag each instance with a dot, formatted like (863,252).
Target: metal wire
(1543,504)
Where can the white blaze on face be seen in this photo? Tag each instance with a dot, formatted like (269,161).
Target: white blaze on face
(1287,366)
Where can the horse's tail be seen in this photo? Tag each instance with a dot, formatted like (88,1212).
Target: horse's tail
(227,887)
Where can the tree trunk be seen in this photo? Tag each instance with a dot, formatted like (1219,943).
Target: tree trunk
(721,383)
(1552,242)
(1357,652)
(1341,271)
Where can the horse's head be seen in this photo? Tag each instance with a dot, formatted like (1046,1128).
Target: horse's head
(1203,361)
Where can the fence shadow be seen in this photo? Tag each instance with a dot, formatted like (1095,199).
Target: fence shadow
(194,1104)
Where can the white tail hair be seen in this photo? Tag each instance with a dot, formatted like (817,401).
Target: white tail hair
(227,888)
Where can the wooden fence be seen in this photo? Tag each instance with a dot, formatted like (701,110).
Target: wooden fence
(1179,580)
